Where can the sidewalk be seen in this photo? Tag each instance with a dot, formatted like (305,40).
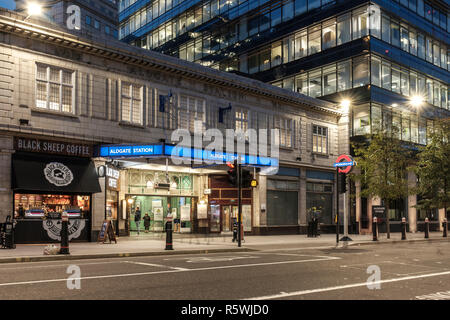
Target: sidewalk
(154,244)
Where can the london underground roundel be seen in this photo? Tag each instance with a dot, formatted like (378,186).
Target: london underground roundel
(344,163)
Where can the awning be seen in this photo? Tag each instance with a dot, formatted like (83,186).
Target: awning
(48,173)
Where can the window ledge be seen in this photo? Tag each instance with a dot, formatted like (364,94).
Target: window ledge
(286,148)
(321,155)
(53,112)
(130,124)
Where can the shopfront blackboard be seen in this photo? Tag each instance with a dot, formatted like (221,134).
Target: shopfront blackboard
(106,231)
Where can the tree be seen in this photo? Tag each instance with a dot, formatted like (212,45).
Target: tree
(383,162)
(433,169)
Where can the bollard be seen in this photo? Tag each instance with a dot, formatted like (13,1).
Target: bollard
(169,231)
(375,229)
(64,234)
(427,228)
(444,225)
(403,228)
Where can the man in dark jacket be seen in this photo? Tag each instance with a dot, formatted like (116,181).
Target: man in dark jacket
(146,222)
(137,219)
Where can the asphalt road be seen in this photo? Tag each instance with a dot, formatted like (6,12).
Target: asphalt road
(392,271)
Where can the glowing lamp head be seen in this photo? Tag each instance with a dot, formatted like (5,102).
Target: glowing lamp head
(416,101)
(345,105)
(34,9)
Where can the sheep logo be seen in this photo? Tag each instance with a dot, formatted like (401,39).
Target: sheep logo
(58,174)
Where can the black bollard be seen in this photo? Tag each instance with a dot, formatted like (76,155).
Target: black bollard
(427,228)
(403,228)
(169,231)
(444,226)
(375,229)
(64,234)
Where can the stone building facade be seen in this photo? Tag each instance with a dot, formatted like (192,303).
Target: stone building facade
(75,95)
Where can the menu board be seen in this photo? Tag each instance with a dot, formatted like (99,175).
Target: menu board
(202,211)
(158,214)
(185,213)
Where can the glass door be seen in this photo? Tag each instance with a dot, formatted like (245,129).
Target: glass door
(214,223)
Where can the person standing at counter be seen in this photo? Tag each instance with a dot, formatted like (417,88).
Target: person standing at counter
(137,219)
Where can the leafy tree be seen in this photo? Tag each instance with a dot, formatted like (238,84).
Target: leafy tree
(433,169)
(383,162)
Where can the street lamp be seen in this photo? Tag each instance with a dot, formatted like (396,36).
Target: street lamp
(345,105)
(416,101)
(33,9)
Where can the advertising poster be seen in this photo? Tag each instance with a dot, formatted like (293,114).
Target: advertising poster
(202,211)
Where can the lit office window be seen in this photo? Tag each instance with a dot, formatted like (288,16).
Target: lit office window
(360,24)
(360,71)
(284,126)
(361,120)
(241,119)
(315,84)
(329,80)
(344,29)
(329,34)
(54,88)
(344,71)
(314,40)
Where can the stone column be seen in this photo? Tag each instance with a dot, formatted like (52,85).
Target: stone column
(98,205)
(6,193)
(412,201)
(302,217)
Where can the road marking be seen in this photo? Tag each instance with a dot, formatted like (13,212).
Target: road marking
(435,296)
(348,286)
(166,271)
(154,265)
(54,265)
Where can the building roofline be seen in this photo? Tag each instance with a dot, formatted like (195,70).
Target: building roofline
(13,22)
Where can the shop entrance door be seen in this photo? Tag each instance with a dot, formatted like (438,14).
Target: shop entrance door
(215,223)
(227,225)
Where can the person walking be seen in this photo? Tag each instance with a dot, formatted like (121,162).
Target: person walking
(137,219)
(146,222)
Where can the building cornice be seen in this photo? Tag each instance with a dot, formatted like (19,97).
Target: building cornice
(13,23)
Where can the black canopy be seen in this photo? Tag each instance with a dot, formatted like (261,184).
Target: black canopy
(48,173)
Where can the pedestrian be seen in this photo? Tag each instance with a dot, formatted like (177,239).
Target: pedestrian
(137,219)
(146,222)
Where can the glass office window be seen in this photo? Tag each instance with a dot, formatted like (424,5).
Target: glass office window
(329,80)
(436,94)
(301,83)
(314,40)
(406,133)
(360,24)
(428,12)
(214,8)
(315,84)
(429,87)
(344,75)
(264,60)
(395,33)
(404,82)
(288,49)
(444,97)
(420,7)
(412,84)
(443,57)
(376,118)
(421,85)
(253,64)
(275,17)
(288,84)
(344,29)
(276,54)
(300,7)
(397,125)
(313,4)
(361,120)
(396,79)
(252,26)
(413,5)
(288,10)
(404,35)
(412,42)
(386,75)
(375,21)
(386,29)
(436,54)
(421,46)
(301,45)
(376,72)
(404,2)
(429,49)
(329,34)
(360,71)
(264,21)
(422,131)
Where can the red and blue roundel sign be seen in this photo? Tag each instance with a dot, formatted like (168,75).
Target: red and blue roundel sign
(344,163)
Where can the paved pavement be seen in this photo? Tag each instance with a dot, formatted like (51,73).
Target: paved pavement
(154,244)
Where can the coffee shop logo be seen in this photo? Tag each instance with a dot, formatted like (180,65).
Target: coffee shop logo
(53,228)
(58,174)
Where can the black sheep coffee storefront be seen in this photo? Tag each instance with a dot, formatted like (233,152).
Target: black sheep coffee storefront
(49,178)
